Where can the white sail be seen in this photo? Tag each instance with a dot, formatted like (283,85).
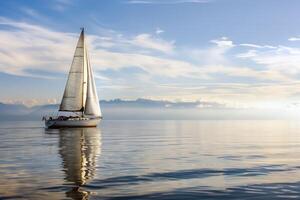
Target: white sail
(74,94)
(92,106)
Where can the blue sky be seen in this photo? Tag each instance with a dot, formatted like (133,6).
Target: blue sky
(236,52)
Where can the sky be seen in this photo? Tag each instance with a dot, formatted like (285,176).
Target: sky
(239,53)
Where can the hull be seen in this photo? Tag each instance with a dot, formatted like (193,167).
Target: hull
(80,122)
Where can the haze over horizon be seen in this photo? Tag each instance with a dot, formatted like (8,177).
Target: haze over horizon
(237,53)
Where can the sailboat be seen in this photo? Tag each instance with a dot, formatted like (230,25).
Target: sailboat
(80,105)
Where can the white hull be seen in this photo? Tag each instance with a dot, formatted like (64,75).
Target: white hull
(79,122)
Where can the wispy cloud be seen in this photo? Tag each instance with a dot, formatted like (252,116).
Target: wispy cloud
(166,1)
(34,47)
(144,42)
(61,5)
(31,47)
(30,12)
(294,39)
(223,42)
(30,102)
(258,46)
(149,42)
(159,31)
(26,48)
(212,55)
(282,59)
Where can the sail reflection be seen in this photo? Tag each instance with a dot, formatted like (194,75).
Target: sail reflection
(79,149)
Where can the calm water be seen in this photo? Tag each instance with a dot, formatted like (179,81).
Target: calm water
(151,160)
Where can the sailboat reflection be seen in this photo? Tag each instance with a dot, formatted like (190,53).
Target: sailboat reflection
(79,149)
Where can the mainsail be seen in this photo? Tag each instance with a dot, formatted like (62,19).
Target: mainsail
(80,93)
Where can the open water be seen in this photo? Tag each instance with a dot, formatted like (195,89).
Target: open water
(151,160)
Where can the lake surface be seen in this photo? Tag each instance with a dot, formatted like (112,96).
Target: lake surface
(151,160)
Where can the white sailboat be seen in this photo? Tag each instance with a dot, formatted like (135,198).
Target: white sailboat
(80,99)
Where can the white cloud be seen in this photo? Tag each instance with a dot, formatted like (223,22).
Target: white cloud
(294,39)
(159,31)
(31,47)
(258,46)
(149,42)
(223,42)
(246,72)
(282,59)
(25,48)
(150,64)
(249,54)
(30,102)
(144,42)
(213,55)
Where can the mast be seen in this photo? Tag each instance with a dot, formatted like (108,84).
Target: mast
(83,66)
